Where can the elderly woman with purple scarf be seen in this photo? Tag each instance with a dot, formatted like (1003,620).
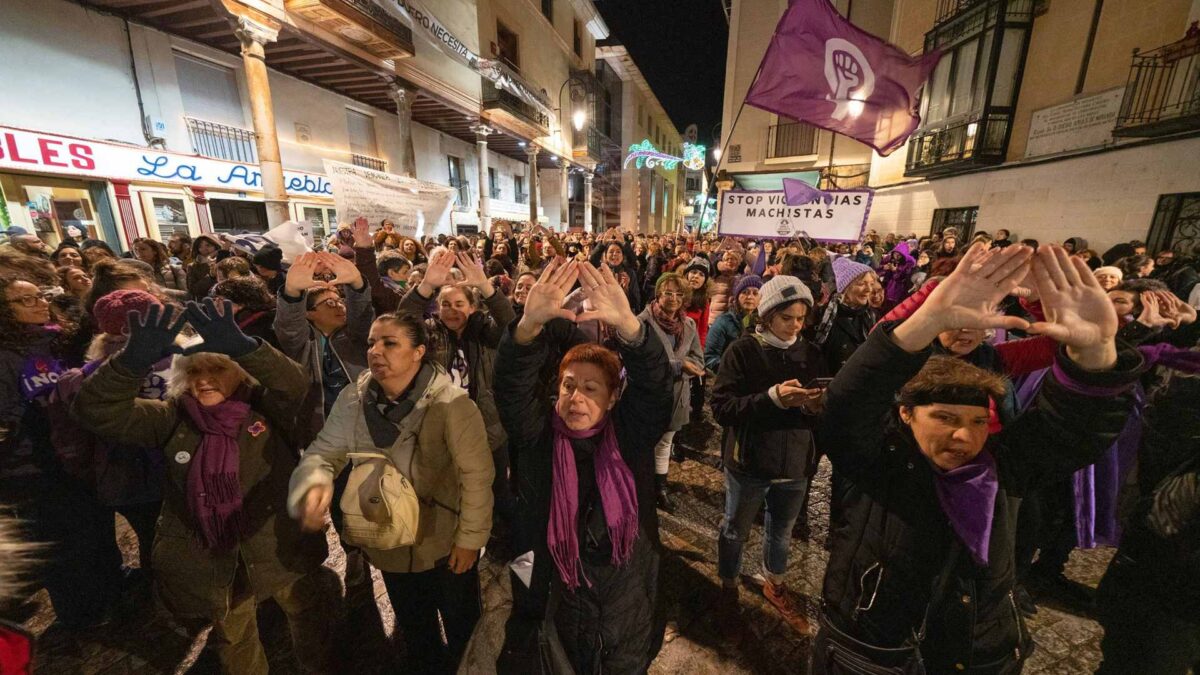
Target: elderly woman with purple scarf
(921,568)
(224,542)
(586,501)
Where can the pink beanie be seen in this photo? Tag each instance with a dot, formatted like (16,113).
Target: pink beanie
(111,310)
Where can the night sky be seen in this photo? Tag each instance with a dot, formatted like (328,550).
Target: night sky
(679,45)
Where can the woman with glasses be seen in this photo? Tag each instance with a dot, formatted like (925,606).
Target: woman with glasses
(678,334)
(82,570)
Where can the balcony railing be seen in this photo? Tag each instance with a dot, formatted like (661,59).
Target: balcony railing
(221,141)
(494,192)
(521,198)
(1163,92)
(462,195)
(368,162)
(947,148)
(795,139)
(505,100)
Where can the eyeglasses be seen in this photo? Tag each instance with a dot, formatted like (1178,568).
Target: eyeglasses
(331,303)
(671,294)
(31,300)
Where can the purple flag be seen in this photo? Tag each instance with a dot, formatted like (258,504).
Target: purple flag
(797,192)
(821,69)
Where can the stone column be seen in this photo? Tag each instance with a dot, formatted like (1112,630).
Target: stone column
(587,201)
(253,36)
(404,98)
(485,186)
(532,151)
(564,185)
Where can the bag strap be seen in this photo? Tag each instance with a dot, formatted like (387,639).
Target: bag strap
(940,584)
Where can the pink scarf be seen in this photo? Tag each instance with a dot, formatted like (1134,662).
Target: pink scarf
(214,494)
(618,497)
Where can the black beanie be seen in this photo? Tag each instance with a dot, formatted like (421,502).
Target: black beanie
(270,257)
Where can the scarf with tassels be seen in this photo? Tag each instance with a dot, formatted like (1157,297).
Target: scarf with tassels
(618,497)
(671,324)
(214,495)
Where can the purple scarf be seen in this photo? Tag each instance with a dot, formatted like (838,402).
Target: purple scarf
(618,497)
(968,498)
(214,495)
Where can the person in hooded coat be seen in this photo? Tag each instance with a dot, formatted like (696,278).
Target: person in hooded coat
(921,565)
(730,325)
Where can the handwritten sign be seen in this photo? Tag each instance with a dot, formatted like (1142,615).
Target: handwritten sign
(1085,122)
(416,207)
(765,214)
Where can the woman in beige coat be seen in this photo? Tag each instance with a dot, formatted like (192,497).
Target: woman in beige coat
(407,408)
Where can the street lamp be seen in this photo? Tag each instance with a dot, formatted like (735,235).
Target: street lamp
(579,91)
(578,119)
(717,154)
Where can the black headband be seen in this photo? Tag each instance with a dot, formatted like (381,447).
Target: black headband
(947,395)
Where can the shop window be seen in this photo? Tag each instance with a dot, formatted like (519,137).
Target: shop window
(231,215)
(508,46)
(322,218)
(166,214)
(961,219)
(54,209)
(1176,225)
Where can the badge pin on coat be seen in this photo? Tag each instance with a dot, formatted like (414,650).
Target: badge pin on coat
(257,428)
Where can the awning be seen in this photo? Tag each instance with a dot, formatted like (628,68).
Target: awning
(773,180)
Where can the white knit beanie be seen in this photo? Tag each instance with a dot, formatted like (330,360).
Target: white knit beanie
(782,289)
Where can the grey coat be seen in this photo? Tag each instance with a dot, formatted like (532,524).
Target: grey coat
(688,349)
(301,343)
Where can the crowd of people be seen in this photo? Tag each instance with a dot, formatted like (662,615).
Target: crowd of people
(984,405)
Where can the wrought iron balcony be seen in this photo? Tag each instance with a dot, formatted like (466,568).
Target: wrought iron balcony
(1163,93)
(368,162)
(509,102)
(494,192)
(958,145)
(794,139)
(221,141)
(521,198)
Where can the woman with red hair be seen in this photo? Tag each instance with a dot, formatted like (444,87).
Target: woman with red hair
(585,504)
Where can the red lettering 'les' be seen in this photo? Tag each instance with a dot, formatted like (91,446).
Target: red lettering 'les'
(11,141)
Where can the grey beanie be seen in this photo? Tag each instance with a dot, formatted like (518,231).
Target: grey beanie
(782,289)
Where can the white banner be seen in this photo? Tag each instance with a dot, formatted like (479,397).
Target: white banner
(416,206)
(764,214)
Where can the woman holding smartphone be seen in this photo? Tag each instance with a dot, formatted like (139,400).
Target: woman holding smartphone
(767,397)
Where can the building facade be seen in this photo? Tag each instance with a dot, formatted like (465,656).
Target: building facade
(1048,119)
(144,119)
(652,194)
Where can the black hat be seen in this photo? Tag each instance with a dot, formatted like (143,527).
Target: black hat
(270,257)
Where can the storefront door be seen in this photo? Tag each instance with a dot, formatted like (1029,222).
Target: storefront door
(166,213)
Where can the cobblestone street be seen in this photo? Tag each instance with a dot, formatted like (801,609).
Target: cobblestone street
(695,643)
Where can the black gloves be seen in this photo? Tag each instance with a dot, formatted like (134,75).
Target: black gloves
(151,337)
(220,332)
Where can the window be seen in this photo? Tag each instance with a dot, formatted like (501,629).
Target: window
(455,170)
(508,46)
(362,134)
(693,184)
(209,91)
(548,10)
(1176,225)
(493,183)
(961,219)
(578,39)
(519,190)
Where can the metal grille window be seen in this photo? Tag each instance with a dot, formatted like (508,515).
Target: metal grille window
(493,183)
(519,194)
(1163,92)
(962,219)
(1176,225)
(794,139)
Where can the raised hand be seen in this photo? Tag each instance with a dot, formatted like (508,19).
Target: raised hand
(1175,310)
(301,276)
(1151,316)
(214,321)
(545,301)
(151,337)
(968,297)
(437,274)
(473,275)
(344,271)
(609,303)
(1078,311)
(361,230)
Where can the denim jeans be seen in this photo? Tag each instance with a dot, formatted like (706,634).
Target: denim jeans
(743,495)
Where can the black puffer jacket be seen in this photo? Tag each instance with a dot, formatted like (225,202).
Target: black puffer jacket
(760,438)
(894,537)
(612,625)
(849,330)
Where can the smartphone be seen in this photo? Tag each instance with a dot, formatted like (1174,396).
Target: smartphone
(819,383)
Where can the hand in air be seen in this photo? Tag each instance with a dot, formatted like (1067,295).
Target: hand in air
(609,303)
(1078,311)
